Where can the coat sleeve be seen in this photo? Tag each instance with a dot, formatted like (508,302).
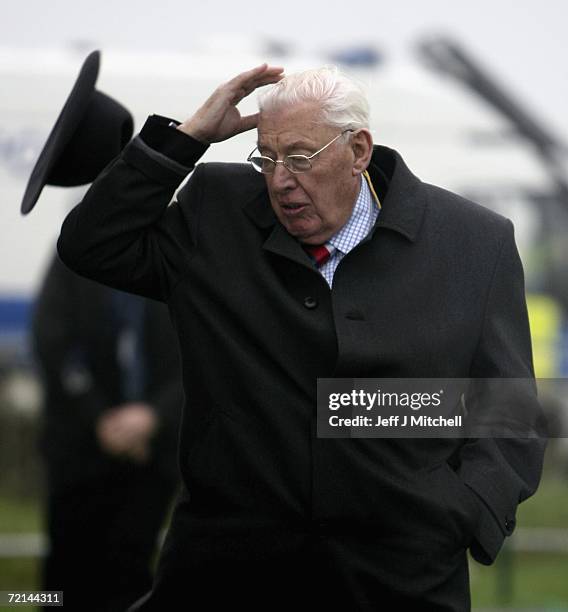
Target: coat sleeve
(125,233)
(503,472)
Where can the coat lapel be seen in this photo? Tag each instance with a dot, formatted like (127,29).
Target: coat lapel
(403,202)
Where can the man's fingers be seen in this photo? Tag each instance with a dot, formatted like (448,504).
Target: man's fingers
(243,85)
(248,122)
(267,77)
(257,73)
(238,95)
(218,119)
(246,82)
(249,74)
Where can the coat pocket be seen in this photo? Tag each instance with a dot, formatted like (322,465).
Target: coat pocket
(462,508)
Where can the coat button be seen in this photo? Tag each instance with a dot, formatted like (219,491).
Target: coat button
(310,302)
(509,524)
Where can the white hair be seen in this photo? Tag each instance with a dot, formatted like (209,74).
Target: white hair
(343,101)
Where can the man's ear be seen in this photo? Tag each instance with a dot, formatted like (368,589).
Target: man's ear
(362,147)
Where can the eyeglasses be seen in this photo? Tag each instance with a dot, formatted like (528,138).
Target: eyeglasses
(295,163)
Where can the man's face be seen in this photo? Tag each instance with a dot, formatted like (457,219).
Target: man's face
(313,205)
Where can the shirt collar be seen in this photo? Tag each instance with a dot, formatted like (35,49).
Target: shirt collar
(360,222)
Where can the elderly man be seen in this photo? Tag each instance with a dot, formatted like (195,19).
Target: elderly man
(327,258)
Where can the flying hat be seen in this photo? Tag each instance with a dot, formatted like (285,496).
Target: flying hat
(90,131)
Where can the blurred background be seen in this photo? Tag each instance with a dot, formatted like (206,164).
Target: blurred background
(474,96)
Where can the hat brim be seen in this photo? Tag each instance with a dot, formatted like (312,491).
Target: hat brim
(67,122)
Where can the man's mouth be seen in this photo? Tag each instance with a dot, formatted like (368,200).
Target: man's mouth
(292,209)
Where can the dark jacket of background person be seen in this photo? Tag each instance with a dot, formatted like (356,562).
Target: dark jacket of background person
(435,291)
(104,511)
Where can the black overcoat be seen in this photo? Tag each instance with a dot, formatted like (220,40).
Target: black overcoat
(435,291)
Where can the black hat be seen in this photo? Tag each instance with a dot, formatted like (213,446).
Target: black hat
(90,131)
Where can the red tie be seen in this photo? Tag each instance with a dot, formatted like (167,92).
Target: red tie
(319,253)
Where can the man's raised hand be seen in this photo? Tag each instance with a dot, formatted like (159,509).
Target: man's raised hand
(219,119)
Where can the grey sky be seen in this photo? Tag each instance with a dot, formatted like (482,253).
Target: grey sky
(524,42)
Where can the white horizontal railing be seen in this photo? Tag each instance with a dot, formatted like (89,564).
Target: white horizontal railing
(525,539)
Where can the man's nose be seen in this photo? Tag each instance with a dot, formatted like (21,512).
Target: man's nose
(283,179)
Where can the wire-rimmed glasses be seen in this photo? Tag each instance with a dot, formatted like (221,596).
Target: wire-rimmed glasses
(295,163)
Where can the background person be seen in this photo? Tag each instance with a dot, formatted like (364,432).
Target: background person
(111,379)
(112,387)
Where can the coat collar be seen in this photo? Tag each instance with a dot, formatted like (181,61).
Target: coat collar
(403,201)
(403,204)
